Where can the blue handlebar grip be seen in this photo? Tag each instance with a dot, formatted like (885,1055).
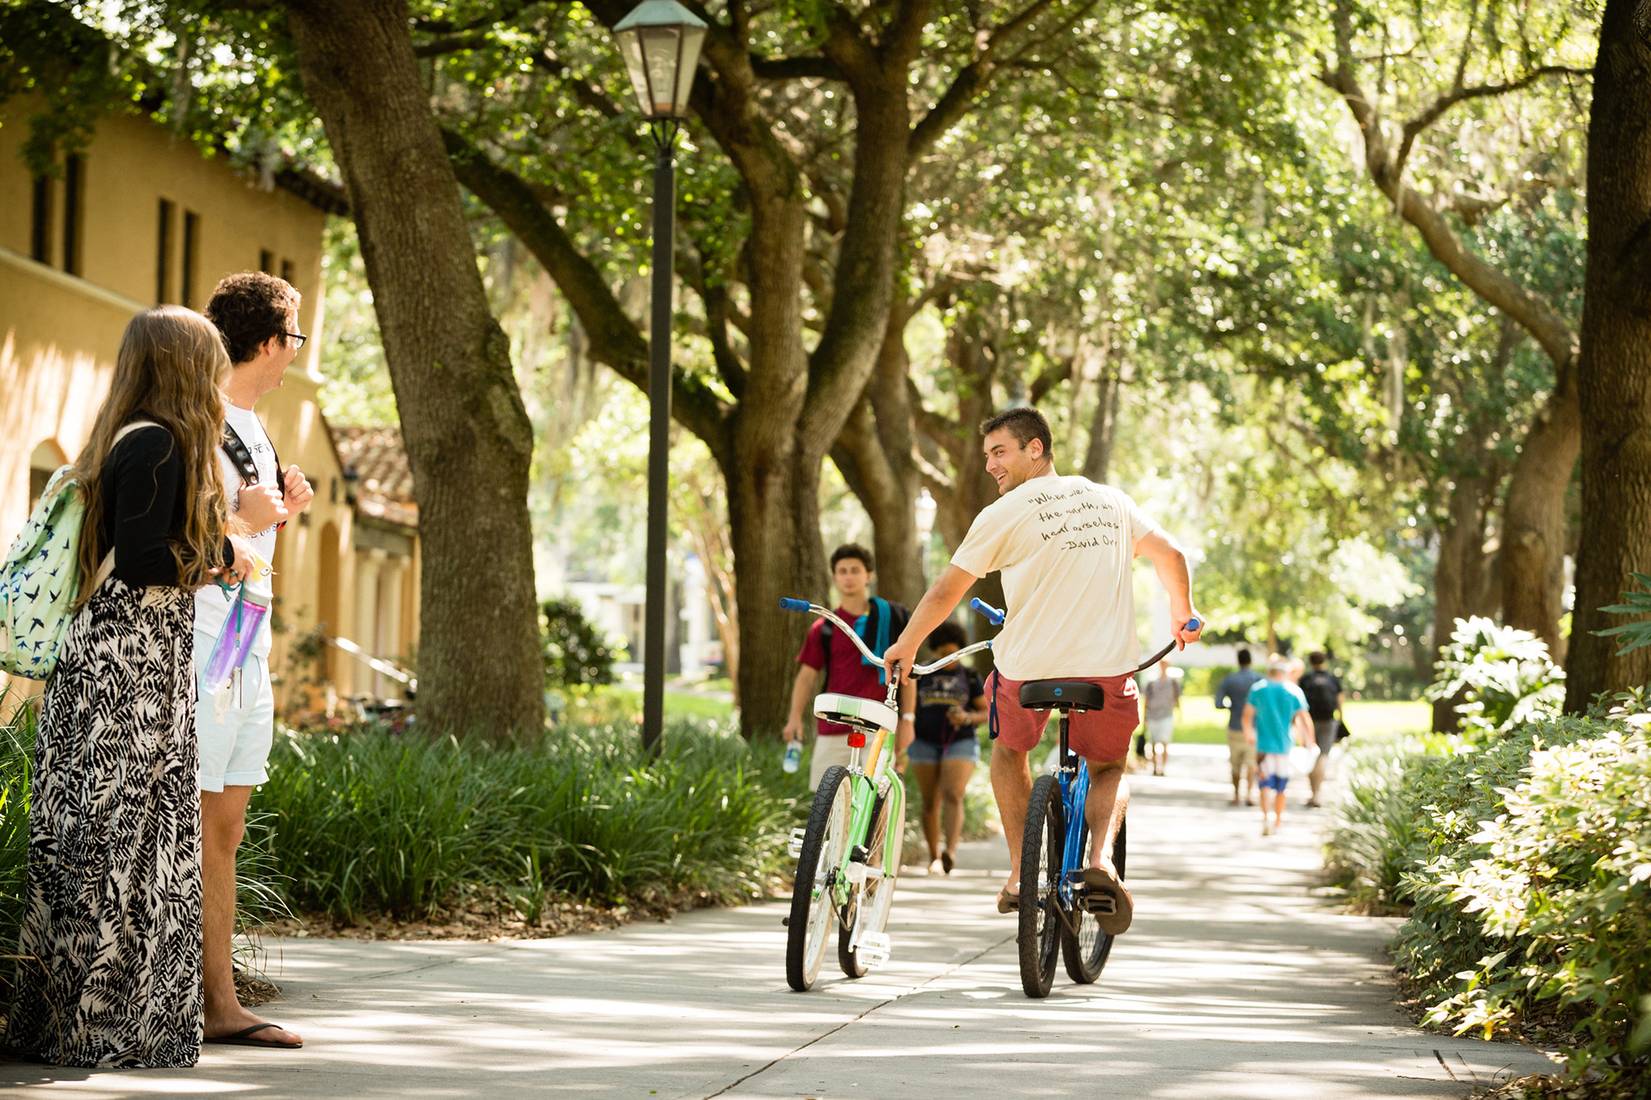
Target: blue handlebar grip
(993,615)
(1194,624)
(790,603)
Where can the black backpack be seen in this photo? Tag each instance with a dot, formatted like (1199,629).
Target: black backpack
(898,617)
(1321,690)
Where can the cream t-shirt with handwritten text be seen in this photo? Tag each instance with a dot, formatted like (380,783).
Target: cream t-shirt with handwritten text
(1064,545)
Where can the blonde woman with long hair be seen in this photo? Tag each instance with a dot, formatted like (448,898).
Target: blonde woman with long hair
(109,972)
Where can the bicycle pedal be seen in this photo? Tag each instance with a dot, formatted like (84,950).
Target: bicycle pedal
(874,948)
(796,843)
(1103,905)
(859,873)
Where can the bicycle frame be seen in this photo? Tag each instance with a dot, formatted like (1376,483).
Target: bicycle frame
(1074,782)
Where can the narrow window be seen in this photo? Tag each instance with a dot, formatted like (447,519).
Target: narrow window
(286,272)
(191,240)
(74,187)
(163,253)
(266,261)
(40,223)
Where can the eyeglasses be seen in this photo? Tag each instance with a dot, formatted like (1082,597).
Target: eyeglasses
(299,336)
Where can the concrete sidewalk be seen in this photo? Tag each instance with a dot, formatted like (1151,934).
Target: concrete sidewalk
(1234,982)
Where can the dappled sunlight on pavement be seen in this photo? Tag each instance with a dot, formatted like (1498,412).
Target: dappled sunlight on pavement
(1233,982)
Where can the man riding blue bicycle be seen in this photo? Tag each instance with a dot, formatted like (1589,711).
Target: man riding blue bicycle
(1064,546)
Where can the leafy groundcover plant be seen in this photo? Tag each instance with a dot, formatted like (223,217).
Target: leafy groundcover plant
(1525,865)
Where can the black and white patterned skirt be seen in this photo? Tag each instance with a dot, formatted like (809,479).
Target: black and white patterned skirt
(110,956)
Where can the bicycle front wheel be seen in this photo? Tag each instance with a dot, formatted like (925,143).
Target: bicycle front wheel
(813,905)
(1085,954)
(1040,871)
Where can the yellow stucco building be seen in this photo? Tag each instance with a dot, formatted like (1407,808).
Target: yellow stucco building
(141,217)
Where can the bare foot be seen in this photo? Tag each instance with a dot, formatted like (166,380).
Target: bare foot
(239,1019)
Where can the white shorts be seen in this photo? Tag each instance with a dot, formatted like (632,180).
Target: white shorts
(828,750)
(235,729)
(1160,730)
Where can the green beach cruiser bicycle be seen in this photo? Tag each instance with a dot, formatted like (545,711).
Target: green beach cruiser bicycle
(848,855)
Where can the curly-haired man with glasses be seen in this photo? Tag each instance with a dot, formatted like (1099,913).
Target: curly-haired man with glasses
(257,316)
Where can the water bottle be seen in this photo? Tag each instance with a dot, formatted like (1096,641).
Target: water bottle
(793,756)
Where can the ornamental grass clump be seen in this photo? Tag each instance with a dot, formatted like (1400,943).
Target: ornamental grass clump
(369,823)
(16,760)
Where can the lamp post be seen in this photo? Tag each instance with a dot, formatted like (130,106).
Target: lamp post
(660,42)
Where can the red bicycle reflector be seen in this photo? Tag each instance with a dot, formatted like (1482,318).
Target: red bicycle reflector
(856,739)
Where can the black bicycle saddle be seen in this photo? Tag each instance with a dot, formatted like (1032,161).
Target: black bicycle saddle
(1061,695)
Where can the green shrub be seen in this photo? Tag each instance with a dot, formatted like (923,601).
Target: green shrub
(1526,866)
(575,653)
(370,823)
(1553,898)
(1504,675)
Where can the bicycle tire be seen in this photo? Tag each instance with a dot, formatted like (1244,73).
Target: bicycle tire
(1086,953)
(1040,867)
(812,913)
(872,899)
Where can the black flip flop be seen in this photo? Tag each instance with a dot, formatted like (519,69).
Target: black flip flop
(245,1038)
(946,862)
(1105,882)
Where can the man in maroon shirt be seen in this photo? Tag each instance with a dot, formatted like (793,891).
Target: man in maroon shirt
(846,671)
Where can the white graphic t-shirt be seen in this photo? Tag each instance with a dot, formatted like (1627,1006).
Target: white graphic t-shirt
(1064,546)
(211,605)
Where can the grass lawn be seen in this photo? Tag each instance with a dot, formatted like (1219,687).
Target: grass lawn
(682,704)
(1199,723)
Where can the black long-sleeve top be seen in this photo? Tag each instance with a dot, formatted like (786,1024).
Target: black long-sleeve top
(143,511)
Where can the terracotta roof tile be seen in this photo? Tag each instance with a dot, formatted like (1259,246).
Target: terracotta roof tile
(384,485)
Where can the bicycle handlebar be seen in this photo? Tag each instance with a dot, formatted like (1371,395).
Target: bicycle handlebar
(993,615)
(788,603)
(996,617)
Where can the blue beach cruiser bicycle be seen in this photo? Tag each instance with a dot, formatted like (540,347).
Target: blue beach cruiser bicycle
(1058,910)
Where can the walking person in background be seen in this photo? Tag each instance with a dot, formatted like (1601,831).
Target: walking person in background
(951,703)
(109,961)
(839,662)
(257,316)
(1274,711)
(1231,696)
(1163,698)
(1324,702)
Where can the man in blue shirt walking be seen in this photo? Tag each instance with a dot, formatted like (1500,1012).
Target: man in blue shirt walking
(1231,697)
(1274,711)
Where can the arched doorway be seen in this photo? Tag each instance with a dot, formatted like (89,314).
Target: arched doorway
(43,462)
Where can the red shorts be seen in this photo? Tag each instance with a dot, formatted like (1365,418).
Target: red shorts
(1099,736)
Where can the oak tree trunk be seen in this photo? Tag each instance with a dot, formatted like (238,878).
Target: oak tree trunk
(1614,374)
(877,456)
(1533,518)
(467,434)
(774,513)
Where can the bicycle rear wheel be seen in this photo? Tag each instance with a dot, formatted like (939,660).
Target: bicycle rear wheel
(1086,953)
(813,913)
(876,900)
(1040,870)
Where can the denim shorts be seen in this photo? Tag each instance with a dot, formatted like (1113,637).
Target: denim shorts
(927,752)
